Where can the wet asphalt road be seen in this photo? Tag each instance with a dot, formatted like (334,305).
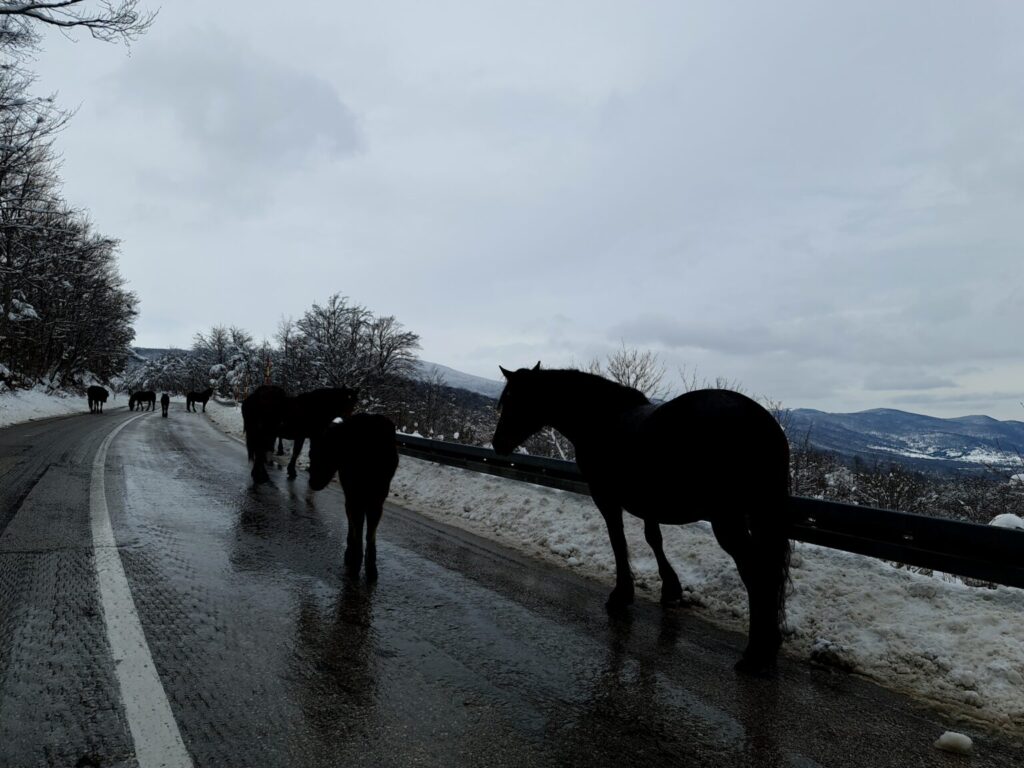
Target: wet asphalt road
(462,654)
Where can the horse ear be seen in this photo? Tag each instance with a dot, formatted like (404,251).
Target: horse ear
(505,373)
(537,366)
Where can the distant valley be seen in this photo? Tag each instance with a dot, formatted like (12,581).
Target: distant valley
(927,443)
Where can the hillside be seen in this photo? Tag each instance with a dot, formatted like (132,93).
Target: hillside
(967,443)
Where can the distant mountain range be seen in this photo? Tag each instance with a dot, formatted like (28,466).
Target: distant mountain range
(967,443)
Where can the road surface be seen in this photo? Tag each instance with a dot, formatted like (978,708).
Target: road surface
(215,628)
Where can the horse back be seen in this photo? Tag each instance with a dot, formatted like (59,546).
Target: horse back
(701,446)
(366,452)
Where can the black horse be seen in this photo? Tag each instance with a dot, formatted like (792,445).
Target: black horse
(165,404)
(97,397)
(363,451)
(147,399)
(262,415)
(668,464)
(310,413)
(269,414)
(197,397)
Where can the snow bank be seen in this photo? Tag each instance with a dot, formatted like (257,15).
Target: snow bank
(26,405)
(1008,521)
(956,646)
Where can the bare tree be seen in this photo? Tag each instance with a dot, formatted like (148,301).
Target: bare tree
(107,20)
(640,369)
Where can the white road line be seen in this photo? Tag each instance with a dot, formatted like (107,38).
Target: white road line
(154,731)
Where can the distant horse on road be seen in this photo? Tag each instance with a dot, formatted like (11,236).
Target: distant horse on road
(363,451)
(146,398)
(197,397)
(165,404)
(97,397)
(670,464)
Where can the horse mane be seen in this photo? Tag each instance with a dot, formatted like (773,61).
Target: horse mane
(593,390)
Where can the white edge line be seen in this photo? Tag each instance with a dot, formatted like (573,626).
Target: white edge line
(154,731)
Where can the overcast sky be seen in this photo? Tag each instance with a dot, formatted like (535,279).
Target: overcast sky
(822,202)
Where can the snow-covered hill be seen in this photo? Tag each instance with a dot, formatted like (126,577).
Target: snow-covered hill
(924,442)
(460,380)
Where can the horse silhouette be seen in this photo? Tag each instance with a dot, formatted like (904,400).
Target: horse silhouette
(263,412)
(309,413)
(670,464)
(146,398)
(97,397)
(363,452)
(197,397)
(269,414)
(165,404)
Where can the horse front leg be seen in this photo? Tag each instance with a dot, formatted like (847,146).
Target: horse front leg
(671,589)
(297,444)
(623,593)
(280,446)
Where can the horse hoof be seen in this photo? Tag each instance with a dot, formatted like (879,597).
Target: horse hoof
(755,667)
(619,601)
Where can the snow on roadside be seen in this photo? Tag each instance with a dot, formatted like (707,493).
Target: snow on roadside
(29,404)
(959,647)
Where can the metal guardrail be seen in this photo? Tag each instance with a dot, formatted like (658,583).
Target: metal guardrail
(964,549)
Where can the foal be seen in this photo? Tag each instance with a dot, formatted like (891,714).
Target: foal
(363,451)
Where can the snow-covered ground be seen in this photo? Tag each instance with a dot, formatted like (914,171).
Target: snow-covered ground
(26,405)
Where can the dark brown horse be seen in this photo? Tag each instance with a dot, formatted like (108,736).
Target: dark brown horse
(670,464)
(263,412)
(310,413)
(97,397)
(363,451)
(147,399)
(197,397)
(269,414)
(165,404)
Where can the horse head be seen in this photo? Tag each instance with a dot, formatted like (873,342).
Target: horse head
(520,407)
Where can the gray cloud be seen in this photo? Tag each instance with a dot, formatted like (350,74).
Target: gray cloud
(790,195)
(244,118)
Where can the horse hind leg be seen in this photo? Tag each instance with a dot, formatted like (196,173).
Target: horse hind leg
(671,589)
(373,515)
(763,564)
(355,513)
(297,444)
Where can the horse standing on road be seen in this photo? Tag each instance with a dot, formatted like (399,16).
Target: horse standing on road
(310,413)
(97,397)
(198,397)
(165,404)
(363,451)
(269,414)
(147,399)
(668,464)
